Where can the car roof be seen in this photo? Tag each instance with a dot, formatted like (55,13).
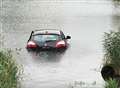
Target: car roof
(47,31)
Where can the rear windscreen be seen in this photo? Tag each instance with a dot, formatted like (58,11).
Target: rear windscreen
(43,38)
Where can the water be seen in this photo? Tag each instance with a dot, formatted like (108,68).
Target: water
(86,21)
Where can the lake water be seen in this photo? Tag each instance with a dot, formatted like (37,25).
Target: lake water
(84,20)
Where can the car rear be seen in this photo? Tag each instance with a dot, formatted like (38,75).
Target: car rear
(46,42)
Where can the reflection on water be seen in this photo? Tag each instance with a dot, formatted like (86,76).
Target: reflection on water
(46,56)
(116,22)
(116,16)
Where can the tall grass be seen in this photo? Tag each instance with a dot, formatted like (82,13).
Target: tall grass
(112,48)
(8,71)
(111,83)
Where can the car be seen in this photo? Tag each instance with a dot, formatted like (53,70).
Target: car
(47,39)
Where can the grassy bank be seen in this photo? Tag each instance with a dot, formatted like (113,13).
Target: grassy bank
(111,68)
(8,70)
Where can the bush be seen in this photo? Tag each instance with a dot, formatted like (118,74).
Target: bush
(8,71)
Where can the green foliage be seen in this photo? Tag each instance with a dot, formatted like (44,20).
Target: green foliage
(8,71)
(112,48)
(111,83)
(116,0)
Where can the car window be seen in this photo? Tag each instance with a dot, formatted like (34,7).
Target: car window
(43,38)
(62,35)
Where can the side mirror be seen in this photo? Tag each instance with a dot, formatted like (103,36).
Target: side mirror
(68,37)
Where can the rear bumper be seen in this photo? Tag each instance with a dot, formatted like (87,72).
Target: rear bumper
(47,49)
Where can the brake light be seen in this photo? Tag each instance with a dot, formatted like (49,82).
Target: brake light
(60,44)
(31,44)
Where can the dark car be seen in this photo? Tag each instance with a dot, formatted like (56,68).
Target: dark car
(47,39)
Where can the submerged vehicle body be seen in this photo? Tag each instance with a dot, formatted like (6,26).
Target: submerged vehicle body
(47,39)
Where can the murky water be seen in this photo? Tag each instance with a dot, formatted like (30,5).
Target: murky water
(85,20)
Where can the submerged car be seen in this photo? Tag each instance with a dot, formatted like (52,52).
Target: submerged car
(47,39)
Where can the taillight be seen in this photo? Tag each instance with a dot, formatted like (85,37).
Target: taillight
(31,44)
(60,44)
